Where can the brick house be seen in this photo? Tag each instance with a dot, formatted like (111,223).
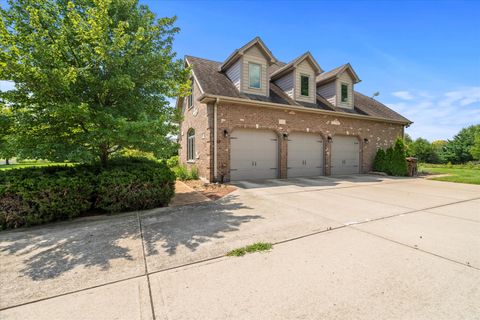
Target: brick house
(254,117)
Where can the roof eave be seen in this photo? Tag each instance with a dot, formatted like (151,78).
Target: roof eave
(206,98)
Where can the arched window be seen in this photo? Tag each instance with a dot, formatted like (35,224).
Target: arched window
(191,144)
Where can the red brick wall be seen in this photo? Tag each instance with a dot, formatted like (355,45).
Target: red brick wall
(231,116)
(198,118)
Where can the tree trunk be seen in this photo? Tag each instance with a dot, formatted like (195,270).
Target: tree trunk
(104,155)
(7,161)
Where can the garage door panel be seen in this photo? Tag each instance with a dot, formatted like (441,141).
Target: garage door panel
(305,155)
(253,154)
(345,155)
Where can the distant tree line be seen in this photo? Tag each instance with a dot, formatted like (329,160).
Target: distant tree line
(464,147)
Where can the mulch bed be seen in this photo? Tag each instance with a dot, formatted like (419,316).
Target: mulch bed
(213,191)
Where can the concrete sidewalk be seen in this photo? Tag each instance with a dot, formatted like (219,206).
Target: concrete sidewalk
(348,247)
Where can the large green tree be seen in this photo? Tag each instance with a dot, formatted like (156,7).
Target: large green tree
(91,77)
(458,150)
(423,150)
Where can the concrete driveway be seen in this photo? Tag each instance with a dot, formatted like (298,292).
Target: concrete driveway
(350,247)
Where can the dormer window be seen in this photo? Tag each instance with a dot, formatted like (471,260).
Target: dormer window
(304,85)
(344,92)
(254,71)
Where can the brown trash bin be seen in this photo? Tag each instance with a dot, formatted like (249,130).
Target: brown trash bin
(412,166)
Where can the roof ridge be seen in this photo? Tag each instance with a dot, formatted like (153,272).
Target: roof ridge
(190,56)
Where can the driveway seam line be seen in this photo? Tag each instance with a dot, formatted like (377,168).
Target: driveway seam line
(146,266)
(450,216)
(274,243)
(414,248)
(330,188)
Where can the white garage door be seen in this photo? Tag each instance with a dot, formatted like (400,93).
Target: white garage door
(253,154)
(345,155)
(305,155)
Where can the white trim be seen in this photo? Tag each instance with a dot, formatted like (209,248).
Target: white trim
(215,134)
(195,77)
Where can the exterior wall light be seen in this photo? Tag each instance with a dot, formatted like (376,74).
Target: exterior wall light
(366,141)
(225,133)
(329,139)
(285,135)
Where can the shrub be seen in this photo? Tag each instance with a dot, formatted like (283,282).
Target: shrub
(32,196)
(388,160)
(379,162)
(134,184)
(194,173)
(393,161)
(172,162)
(183,173)
(398,163)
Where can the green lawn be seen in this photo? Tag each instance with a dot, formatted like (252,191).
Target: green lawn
(460,174)
(28,164)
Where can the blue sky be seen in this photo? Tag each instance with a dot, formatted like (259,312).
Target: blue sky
(423,57)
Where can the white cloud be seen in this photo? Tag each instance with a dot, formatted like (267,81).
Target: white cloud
(405,95)
(439,115)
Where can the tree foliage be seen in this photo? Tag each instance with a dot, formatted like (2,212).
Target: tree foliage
(91,77)
(7,147)
(423,150)
(475,149)
(458,150)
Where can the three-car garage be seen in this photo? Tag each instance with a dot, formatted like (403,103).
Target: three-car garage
(255,154)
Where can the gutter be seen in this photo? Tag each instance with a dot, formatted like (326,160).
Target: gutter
(215,129)
(205,98)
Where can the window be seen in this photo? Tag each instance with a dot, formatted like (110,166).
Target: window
(190,97)
(344,92)
(191,145)
(254,75)
(304,83)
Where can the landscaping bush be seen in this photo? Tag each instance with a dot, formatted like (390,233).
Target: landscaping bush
(172,162)
(134,184)
(32,196)
(392,161)
(388,161)
(398,163)
(183,173)
(379,162)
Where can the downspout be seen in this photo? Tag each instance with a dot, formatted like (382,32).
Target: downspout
(215,130)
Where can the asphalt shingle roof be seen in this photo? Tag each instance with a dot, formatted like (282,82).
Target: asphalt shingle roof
(215,82)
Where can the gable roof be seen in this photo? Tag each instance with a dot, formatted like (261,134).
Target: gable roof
(216,84)
(239,52)
(294,63)
(334,73)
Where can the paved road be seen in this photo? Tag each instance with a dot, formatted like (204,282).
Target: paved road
(352,247)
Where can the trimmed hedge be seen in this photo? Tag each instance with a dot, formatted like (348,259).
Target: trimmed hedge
(31,196)
(134,184)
